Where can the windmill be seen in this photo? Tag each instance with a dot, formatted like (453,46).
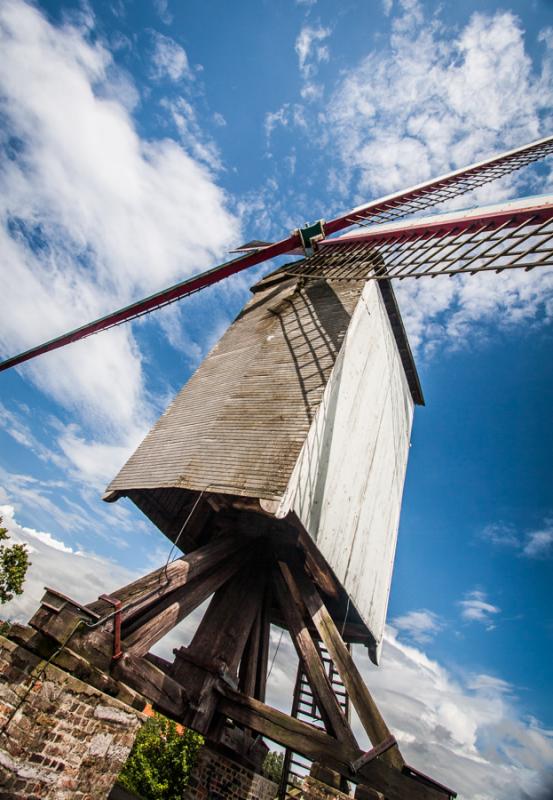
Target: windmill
(279,469)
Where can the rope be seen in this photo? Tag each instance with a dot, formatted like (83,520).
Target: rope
(275,655)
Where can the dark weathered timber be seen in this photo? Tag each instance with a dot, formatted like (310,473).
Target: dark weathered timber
(247,677)
(264,640)
(319,746)
(172,609)
(220,640)
(160,689)
(361,698)
(331,713)
(170,577)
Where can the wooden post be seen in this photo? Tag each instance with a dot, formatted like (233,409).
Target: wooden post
(367,710)
(219,643)
(333,716)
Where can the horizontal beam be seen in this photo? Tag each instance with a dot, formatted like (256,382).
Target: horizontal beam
(156,584)
(317,745)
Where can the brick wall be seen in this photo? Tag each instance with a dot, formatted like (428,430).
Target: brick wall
(216,777)
(66,740)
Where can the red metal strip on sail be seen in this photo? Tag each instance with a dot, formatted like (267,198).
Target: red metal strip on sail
(399,204)
(428,228)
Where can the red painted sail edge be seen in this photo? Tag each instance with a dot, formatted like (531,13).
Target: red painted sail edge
(186,287)
(429,227)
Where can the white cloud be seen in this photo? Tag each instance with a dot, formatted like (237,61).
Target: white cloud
(435,99)
(311,50)
(201,147)
(476,608)
(286,115)
(421,626)
(219,120)
(92,217)
(502,534)
(169,59)
(539,543)
(81,576)
(467,733)
(536,543)
(162,8)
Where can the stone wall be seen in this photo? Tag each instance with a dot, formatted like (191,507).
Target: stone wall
(216,777)
(65,740)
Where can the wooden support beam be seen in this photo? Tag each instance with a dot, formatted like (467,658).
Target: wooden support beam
(154,684)
(264,640)
(247,677)
(219,642)
(294,613)
(360,697)
(159,619)
(319,746)
(160,582)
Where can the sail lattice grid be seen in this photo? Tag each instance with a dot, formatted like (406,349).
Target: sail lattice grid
(451,186)
(449,245)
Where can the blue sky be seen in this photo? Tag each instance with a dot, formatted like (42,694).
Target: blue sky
(140,142)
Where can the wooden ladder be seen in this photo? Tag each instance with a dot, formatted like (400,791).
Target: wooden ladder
(304,707)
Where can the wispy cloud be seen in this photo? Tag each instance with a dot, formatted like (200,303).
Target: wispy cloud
(169,59)
(420,626)
(433,99)
(312,50)
(162,8)
(539,543)
(476,608)
(91,217)
(502,534)
(529,543)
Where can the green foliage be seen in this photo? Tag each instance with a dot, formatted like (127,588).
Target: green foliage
(14,563)
(273,766)
(161,760)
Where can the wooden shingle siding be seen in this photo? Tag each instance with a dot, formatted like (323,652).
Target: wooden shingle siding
(238,425)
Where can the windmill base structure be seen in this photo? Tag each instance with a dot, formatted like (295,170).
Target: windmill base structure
(278,471)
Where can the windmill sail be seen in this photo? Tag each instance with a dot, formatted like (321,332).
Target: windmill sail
(399,204)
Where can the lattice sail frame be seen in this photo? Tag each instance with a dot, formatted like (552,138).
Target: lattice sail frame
(516,235)
(448,187)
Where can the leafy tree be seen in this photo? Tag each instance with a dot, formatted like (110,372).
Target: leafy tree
(273,766)
(161,760)
(14,563)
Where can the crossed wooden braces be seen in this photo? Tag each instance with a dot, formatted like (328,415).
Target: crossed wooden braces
(222,674)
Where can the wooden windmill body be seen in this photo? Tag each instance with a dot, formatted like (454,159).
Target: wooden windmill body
(278,470)
(302,412)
